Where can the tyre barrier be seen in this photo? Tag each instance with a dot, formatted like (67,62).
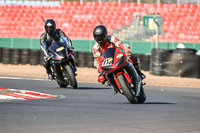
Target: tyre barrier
(182,65)
(89,60)
(144,61)
(175,63)
(81,61)
(25,56)
(159,59)
(15,56)
(6,56)
(161,62)
(41,60)
(1,55)
(35,57)
(185,51)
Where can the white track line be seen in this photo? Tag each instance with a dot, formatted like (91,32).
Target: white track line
(35,79)
(23,94)
(4,97)
(23,78)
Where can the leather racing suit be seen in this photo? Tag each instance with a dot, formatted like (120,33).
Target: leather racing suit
(111,43)
(46,40)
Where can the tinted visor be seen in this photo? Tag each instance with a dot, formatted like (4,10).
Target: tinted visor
(100,38)
(50,29)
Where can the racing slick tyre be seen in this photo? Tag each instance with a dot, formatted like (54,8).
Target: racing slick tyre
(58,75)
(71,76)
(126,89)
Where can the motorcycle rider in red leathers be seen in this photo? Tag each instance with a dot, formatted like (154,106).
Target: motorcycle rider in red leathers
(104,41)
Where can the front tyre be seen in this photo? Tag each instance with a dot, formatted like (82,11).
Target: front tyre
(126,89)
(71,76)
(59,76)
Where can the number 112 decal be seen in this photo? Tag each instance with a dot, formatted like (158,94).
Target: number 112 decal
(107,62)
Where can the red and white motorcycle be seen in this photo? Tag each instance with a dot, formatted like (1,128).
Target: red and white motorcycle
(121,74)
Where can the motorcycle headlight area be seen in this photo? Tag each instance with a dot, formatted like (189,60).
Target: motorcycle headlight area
(59,57)
(107,68)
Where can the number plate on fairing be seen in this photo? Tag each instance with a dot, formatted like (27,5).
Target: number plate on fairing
(107,62)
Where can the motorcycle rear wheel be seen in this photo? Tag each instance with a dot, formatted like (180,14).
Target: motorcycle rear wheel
(142,96)
(61,85)
(126,89)
(71,76)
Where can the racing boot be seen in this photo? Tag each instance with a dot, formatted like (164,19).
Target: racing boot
(48,70)
(136,63)
(141,74)
(101,79)
(50,77)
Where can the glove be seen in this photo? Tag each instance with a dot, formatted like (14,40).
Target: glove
(99,70)
(128,52)
(72,50)
(129,59)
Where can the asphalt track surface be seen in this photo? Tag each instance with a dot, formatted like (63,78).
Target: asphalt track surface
(93,108)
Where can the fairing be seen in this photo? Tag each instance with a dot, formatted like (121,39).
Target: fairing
(59,51)
(112,59)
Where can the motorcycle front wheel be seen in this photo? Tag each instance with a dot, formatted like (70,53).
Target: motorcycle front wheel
(126,89)
(58,75)
(71,76)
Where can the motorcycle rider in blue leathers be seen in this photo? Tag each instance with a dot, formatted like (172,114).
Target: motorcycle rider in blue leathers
(52,34)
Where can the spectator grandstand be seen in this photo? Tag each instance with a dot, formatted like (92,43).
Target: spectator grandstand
(181,22)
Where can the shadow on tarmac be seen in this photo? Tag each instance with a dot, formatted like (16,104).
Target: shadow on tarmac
(91,88)
(158,103)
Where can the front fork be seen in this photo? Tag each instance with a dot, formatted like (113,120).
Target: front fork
(112,78)
(136,78)
(58,71)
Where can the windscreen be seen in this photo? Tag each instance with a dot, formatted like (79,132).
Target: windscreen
(110,52)
(56,45)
